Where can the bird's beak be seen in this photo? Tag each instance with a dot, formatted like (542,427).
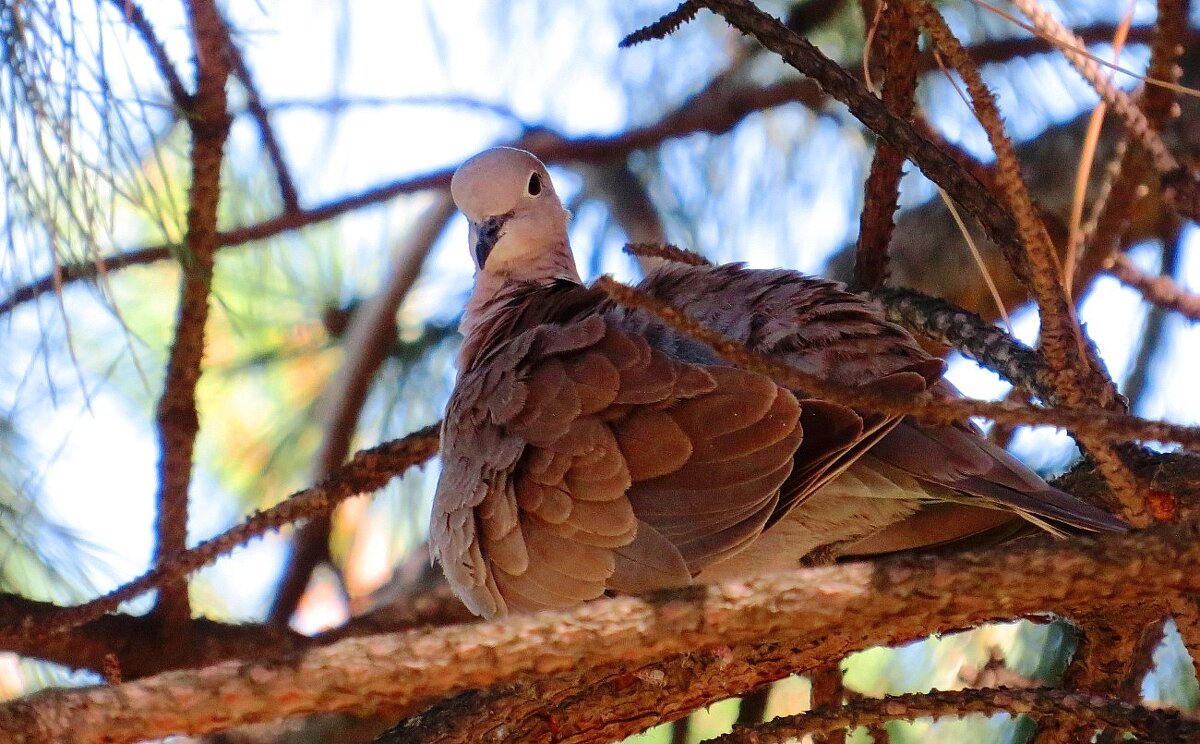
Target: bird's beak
(484,236)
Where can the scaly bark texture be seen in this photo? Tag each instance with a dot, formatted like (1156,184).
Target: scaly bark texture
(898,38)
(825,612)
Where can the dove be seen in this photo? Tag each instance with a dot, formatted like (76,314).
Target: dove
(588,449)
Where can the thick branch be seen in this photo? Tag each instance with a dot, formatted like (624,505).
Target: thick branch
(134,643)
(971,335)
(882,191)
(831,611)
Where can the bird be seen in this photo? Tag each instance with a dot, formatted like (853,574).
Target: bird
(588,449)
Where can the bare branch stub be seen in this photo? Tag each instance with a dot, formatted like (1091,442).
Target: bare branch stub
(666,252)
(663,27)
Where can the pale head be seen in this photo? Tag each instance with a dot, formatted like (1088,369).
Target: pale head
(518,223)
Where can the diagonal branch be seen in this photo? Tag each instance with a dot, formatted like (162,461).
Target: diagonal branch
(966,332)
(369,470)
(1160,290)
(1095,422)
(371,333)
(133,15)
(254,104)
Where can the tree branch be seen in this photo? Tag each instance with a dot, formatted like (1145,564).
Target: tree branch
(1095,422)
(134,644)
(828,611)
(176,417)
(133,15)
(367,341)
(966,332)
(1041,703)
(1160,290)
(283,175)
(368,471)
(882,191)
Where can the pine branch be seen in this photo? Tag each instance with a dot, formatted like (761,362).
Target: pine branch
(176,417)
(368,339)
(368,471)
(1156,725)
(1094,422)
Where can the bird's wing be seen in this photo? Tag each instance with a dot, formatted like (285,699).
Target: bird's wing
(810,323)
(959,459)
(572,455)
(815,325)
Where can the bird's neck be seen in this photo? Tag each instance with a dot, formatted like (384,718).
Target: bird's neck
(500,296)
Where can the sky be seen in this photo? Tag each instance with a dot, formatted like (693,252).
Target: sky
(97,452)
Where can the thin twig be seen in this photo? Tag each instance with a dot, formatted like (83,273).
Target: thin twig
(1160,290)
(133,15)
(254,104)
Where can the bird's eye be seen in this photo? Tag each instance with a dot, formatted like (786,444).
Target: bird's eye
(535,184)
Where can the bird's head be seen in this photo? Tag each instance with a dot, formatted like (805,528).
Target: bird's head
(518,224)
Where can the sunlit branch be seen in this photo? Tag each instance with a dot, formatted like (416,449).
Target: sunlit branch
(824,612)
